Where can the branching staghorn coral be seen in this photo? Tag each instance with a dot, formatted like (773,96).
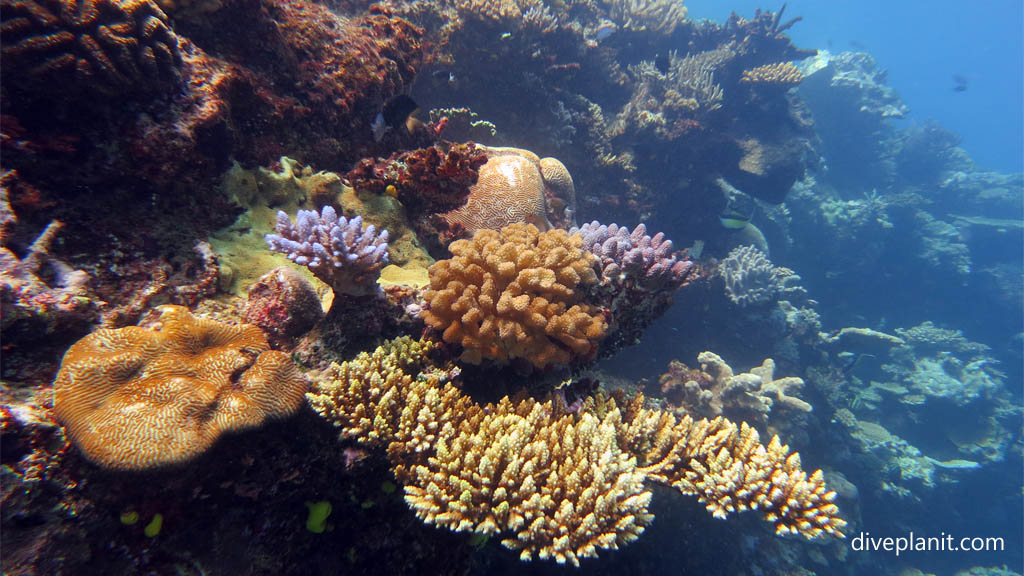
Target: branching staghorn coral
(516,293)
(777,73)
(530,15)
(552,483)
(337,250)
(661,16)
(752,279)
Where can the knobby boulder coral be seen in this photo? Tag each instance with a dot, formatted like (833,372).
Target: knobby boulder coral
(133,399)
(337,250)
(515,185)
(516,293)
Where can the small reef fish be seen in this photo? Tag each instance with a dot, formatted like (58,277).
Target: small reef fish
(604,30)
(397,112)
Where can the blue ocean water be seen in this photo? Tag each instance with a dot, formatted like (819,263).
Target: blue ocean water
(924,45)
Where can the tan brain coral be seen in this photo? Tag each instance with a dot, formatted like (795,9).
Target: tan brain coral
(516,294)
(134,398)
(515,185)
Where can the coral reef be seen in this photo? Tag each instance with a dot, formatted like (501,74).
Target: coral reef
(283,304)
(516,293)
(426,180)
(336,249)
(99,47)
(756,397)
(133,398)
(565,484)
(639,274)
(751,279)
(659,16)
(33,307)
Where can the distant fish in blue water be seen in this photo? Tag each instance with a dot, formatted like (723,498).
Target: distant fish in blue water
(959,83)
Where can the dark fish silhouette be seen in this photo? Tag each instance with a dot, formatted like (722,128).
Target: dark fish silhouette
(395,113)
(959,83)
(661,62)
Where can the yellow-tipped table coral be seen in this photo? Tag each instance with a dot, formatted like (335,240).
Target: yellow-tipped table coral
(516,293)
(134,398)
(555,484)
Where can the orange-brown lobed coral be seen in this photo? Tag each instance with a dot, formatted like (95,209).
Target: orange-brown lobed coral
(101,46)
(777,73)
(133,399)
(516,293)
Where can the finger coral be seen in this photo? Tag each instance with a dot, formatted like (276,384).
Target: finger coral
(101,46)
(133,399)
(337,250)
(639,273)
(516,294)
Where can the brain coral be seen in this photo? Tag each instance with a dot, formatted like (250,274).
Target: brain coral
(105,46)
(134,398)
(516,185)
(516,294)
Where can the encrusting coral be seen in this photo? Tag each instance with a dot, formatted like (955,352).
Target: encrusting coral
(337,250)
(134,399)
(516,293)
(559,484)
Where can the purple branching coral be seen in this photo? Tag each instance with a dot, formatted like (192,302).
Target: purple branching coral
(337,250)
(639,274)
(647,262)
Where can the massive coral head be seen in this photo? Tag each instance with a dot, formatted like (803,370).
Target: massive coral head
(517,293)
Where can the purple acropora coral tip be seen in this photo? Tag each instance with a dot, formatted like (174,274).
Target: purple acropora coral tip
(649,262)
(337,250)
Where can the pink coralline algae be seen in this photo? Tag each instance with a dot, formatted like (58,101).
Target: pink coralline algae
(337,250)
(283,303)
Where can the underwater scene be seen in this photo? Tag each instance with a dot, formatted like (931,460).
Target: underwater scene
(489,287)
